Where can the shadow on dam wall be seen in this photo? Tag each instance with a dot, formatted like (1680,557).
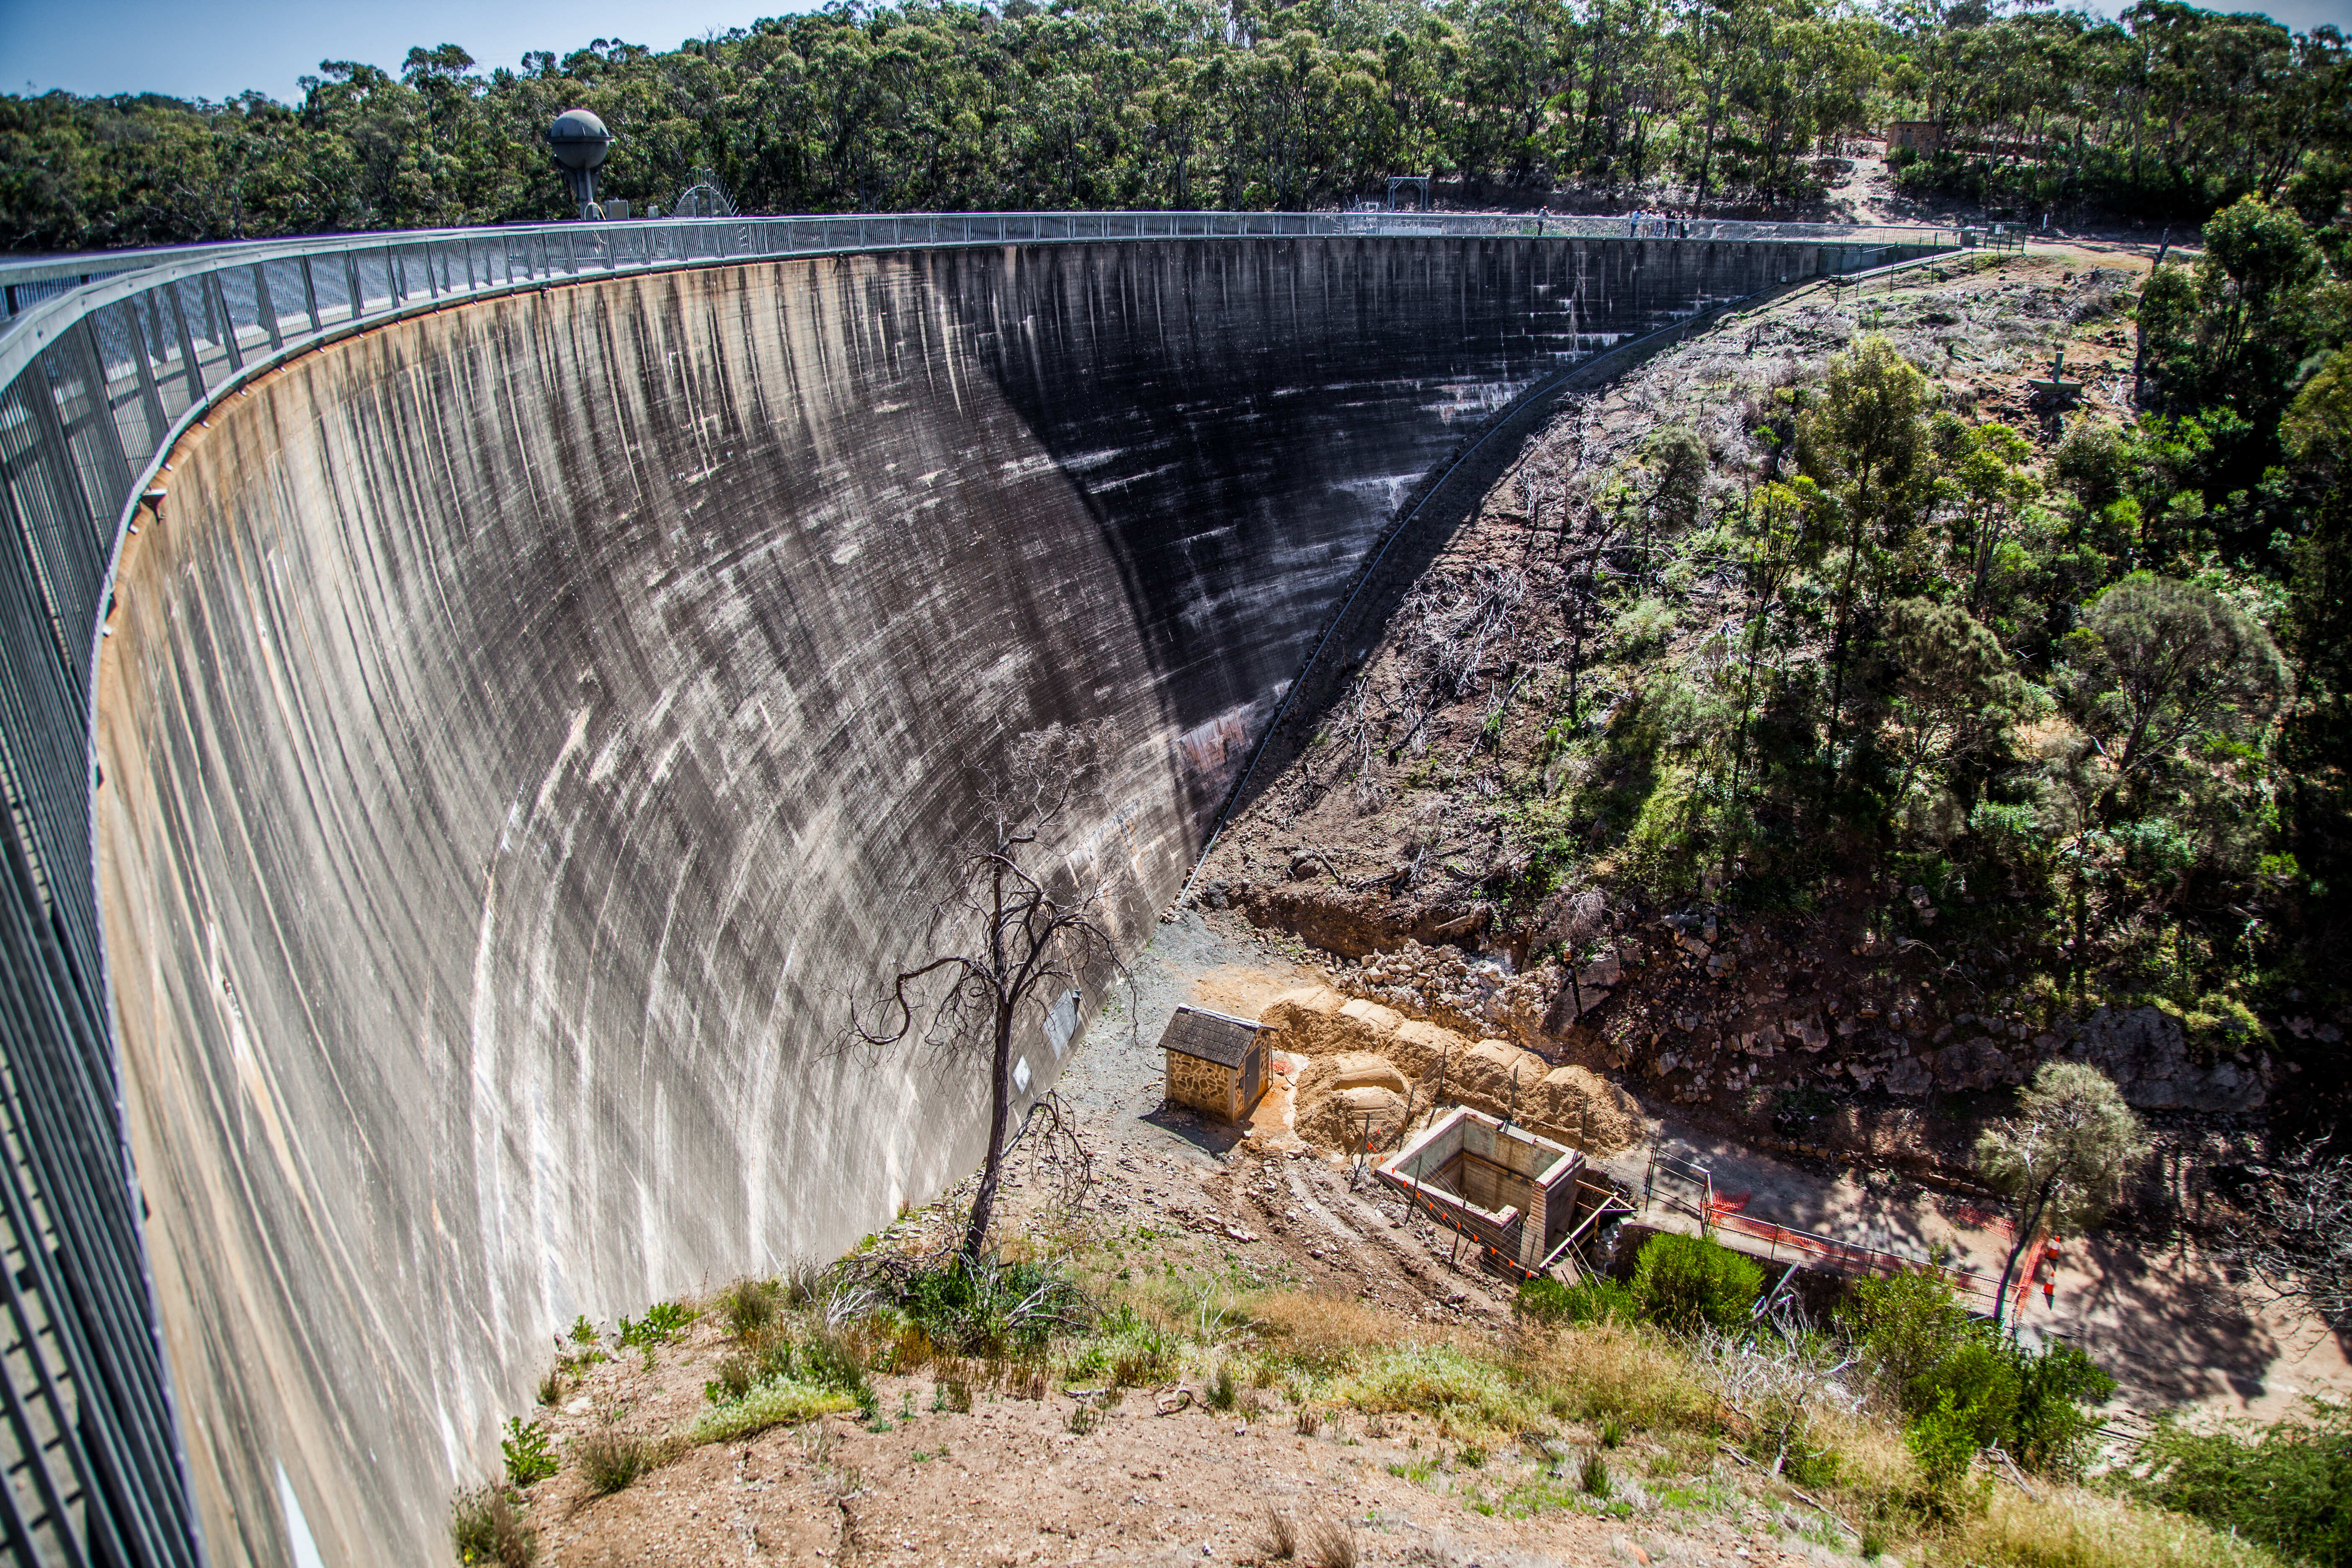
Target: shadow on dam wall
(526,726)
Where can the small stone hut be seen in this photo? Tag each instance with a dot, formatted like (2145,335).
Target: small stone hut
(1922,136)
(1215,1064)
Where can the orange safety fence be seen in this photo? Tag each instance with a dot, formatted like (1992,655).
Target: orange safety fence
(1853,1258)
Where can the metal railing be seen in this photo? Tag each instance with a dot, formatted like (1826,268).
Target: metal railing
(96,383)
(1813,1250)
(571,247)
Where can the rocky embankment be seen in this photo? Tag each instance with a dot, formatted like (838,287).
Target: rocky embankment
(1399,832)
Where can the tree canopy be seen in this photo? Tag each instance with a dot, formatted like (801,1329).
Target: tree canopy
(936,104)
(2062,1157)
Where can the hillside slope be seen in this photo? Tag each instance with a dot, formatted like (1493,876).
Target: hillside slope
(1657,772)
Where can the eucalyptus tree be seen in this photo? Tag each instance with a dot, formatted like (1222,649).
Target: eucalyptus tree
(2061,1159)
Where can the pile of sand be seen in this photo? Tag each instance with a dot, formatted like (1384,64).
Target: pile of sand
(1336,1093)
(1425,1063)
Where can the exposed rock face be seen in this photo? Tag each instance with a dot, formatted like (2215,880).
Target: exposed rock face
(2142,1050)
(2146,1055)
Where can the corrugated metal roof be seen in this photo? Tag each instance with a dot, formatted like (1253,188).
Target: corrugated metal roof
(1211,1036)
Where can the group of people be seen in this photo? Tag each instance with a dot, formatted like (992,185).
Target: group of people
(1639,224)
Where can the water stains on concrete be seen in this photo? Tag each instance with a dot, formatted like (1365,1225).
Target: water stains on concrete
(531,723)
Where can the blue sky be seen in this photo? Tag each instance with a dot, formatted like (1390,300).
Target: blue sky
(212,48)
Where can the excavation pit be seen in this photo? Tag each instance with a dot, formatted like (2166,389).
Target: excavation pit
(1514,1193)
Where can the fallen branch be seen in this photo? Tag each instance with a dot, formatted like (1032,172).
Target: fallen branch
(1825,1512)
(2015,1475)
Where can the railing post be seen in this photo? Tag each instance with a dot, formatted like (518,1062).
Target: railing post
(264,307)
(217,298)
(149,395)
(188,367)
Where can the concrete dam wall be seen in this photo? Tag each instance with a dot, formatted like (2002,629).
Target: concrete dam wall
(524,728)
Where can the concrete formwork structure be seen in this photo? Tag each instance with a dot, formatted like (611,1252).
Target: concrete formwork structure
(1513,1193)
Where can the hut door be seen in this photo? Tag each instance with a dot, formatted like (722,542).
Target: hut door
(1253,1065)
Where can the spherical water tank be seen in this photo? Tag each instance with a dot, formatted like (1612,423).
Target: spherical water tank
(579,139)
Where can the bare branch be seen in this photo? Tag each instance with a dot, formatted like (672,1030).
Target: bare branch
(1013,933)
(2299,1249)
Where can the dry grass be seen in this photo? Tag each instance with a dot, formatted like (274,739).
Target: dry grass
(1470,1395)
(1278,1539)
(610,1459)
(1595,1371)
(1332,1543)
(1876,1479)
(2073,1528)
(1325,1332)
(749,1305)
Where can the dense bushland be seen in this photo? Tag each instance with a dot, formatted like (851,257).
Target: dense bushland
(2061,703)
(932,104)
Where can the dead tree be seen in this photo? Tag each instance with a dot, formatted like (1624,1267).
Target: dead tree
(1012,934)
(2299,1249)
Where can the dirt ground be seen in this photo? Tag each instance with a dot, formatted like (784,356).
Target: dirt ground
(1009,1481)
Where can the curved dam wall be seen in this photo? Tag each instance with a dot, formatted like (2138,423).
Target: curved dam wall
(525,728)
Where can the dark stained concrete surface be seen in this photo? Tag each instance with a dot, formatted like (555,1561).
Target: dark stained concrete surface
(524,725)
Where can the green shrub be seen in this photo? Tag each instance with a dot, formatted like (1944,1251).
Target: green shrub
(1591,1300)
(1687,1282)
(2288,1485)
(528,1458)
(749,1305)
(1976,1382)
(487,1527)
(2052,1430)
(830,1359)
(993,1306)
(738,1374)
(1926,1351)
(1903,1327)
(663,1322)
(1224,1391)
(611,1459)
(1127,1350)
(1943,1445)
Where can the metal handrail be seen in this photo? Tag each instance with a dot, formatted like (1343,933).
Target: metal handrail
(658,241)
(1610,1204)
(96,385)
